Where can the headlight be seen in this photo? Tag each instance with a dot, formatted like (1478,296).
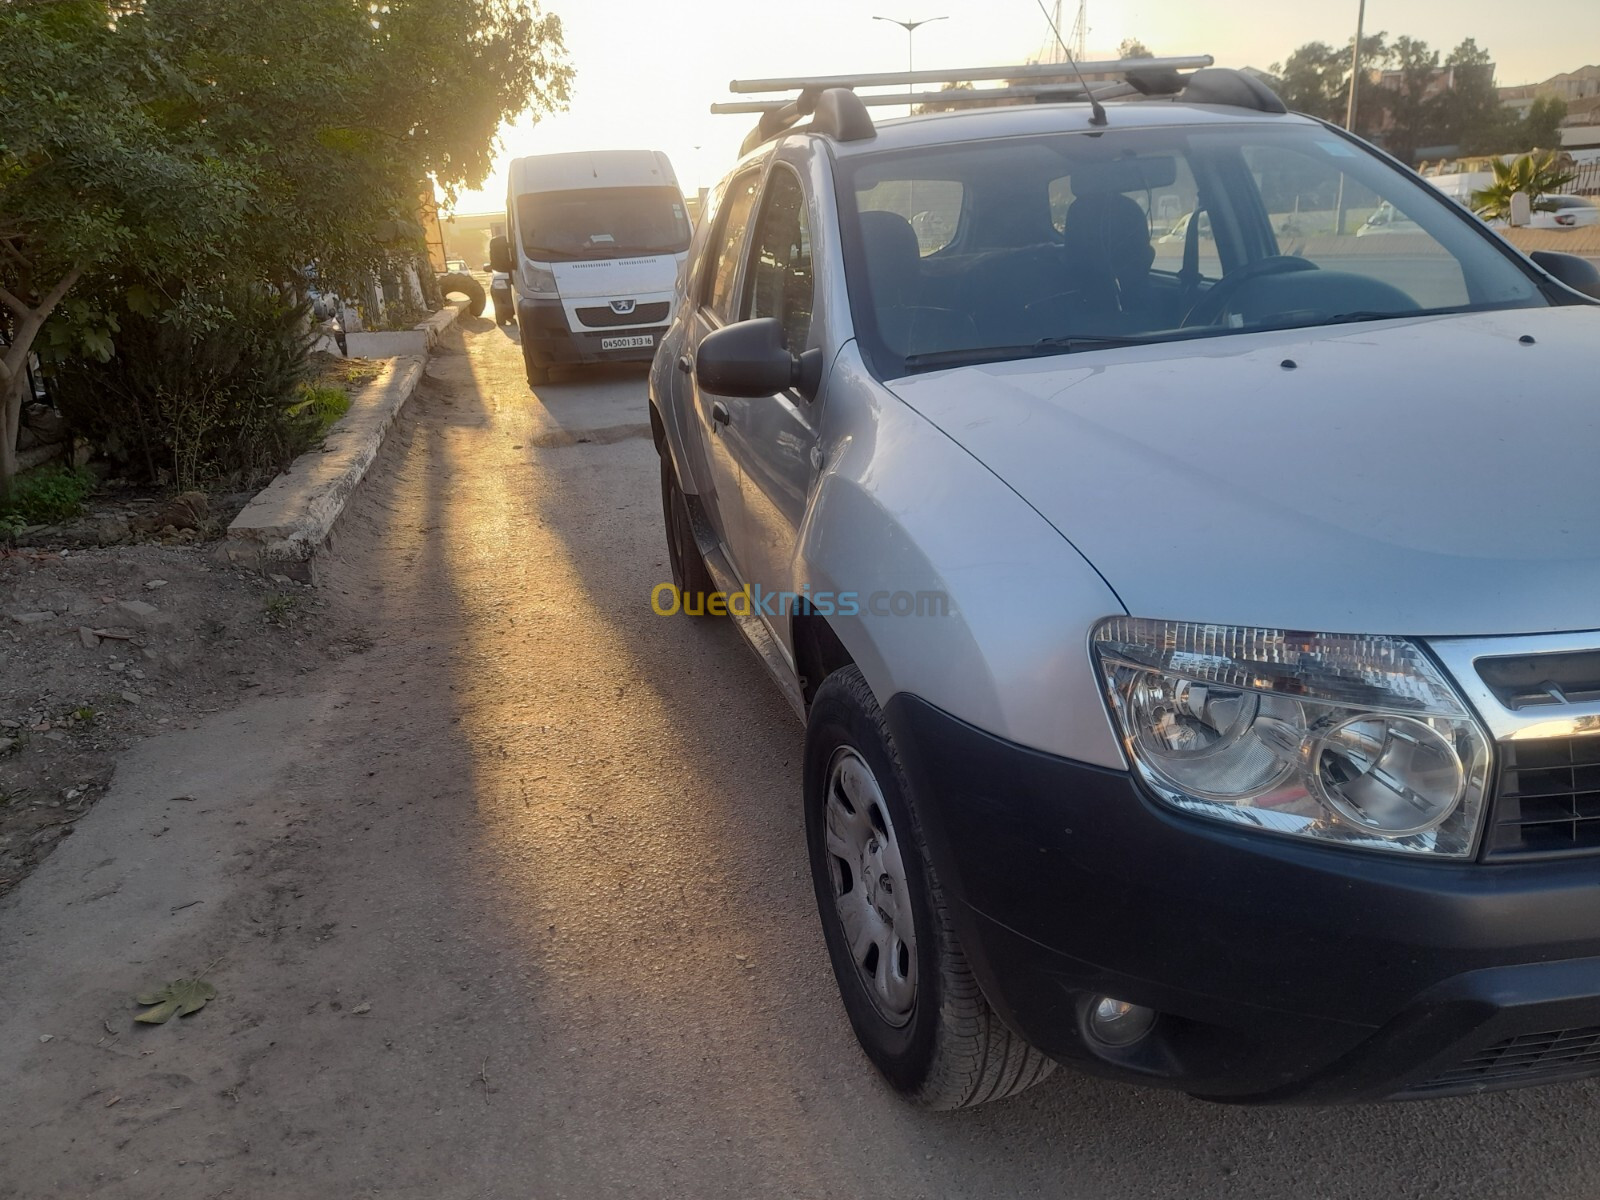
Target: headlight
(1355,740)
(539,279)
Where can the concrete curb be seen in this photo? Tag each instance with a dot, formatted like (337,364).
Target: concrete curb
(394,343)
(285,526)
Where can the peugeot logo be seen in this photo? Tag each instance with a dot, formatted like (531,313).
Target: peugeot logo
(622,307)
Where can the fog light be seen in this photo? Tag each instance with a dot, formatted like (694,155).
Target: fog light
(1118,1023)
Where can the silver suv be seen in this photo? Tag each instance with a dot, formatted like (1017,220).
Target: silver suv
(1198,637)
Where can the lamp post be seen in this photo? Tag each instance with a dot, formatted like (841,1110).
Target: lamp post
(911,27)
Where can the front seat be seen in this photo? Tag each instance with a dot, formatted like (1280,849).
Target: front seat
(894,277)
(1108,252)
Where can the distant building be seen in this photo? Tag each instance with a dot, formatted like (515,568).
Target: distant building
(1579,89)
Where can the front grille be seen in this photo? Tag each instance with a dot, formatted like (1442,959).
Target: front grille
(1530,1058)
(1548,801)
(642,314)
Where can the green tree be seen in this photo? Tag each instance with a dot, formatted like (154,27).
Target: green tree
(1535,175)
(1470,113)
(91,181)
(1412,104)
(1315,79)
(152,149)
(1541,128)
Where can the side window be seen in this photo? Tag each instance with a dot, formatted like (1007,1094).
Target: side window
(932,206)
(732,222)
(779,283)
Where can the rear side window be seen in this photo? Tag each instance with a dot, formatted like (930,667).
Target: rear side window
(732,223)
(780,260)
(932,206)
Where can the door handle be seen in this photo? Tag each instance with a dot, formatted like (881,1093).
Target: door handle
(719,413)
(685,364)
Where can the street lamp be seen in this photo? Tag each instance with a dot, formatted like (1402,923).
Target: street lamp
(910,27)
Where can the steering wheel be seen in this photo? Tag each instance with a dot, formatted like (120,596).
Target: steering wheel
(1210,307)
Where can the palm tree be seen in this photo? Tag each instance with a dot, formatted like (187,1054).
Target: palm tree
(1537,176)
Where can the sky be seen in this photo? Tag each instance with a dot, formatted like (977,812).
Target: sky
(648,70)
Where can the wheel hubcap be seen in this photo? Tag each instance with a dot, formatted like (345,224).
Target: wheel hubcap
(869,887)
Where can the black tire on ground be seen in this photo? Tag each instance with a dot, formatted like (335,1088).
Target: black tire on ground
(466,286)
(951,1050)
(689,572)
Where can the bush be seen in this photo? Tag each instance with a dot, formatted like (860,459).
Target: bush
(319,407)
(45,496)
(208,394)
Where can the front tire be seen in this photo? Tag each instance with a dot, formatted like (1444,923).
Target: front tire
(906,985)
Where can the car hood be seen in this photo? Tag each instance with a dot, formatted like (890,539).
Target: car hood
(1428,476)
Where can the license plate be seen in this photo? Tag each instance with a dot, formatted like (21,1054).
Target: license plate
(638,342)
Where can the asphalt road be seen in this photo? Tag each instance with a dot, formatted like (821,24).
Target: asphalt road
(513,904)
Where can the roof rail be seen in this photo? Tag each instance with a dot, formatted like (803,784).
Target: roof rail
(837,111)
(1119,66)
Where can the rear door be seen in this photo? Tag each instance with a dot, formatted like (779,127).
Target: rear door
(717,302)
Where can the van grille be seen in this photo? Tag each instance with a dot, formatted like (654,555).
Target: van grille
(1548,801)
(643,314)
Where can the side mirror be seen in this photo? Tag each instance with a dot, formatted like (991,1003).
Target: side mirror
(499,254)
(488,267)
(1579,274)
(751,358)
(1521,210)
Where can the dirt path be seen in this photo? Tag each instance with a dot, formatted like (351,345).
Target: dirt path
(513,904)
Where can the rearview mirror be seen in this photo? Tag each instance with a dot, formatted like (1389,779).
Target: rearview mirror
(1579,274)
(752,358)
(499,254)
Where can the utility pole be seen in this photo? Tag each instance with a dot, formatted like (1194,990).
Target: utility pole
(1355,68)
(911,27)
(1350,110)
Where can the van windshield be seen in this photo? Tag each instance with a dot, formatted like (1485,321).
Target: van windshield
(612,222)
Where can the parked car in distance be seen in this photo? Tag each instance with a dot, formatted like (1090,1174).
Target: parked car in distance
(1553,212)
(1198,653)
(455,265)
(594,244)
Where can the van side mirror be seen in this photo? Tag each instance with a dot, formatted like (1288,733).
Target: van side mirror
(1521,210)
(499,254)
(1577,273)
(752,358)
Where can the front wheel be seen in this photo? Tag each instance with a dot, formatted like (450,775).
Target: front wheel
(906,985)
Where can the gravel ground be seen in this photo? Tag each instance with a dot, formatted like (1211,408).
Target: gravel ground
(101,647)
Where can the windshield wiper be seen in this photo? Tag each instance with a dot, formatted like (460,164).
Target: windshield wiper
(1041,348)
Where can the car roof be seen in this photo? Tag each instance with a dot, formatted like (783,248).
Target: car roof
(982,124)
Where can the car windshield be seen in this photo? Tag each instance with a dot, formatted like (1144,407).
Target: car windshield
(613,222)
(1013,247)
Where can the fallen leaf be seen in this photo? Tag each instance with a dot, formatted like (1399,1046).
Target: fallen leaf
(360,1009)
(176,999)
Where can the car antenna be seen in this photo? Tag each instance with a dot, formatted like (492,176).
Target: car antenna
(1097,111)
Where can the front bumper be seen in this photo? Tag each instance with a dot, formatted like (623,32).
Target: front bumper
(548,340)
(1283,972)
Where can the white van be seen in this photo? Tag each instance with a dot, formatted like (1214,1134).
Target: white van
(593,247)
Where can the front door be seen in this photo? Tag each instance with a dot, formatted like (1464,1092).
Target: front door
(773,439)
(718,305)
